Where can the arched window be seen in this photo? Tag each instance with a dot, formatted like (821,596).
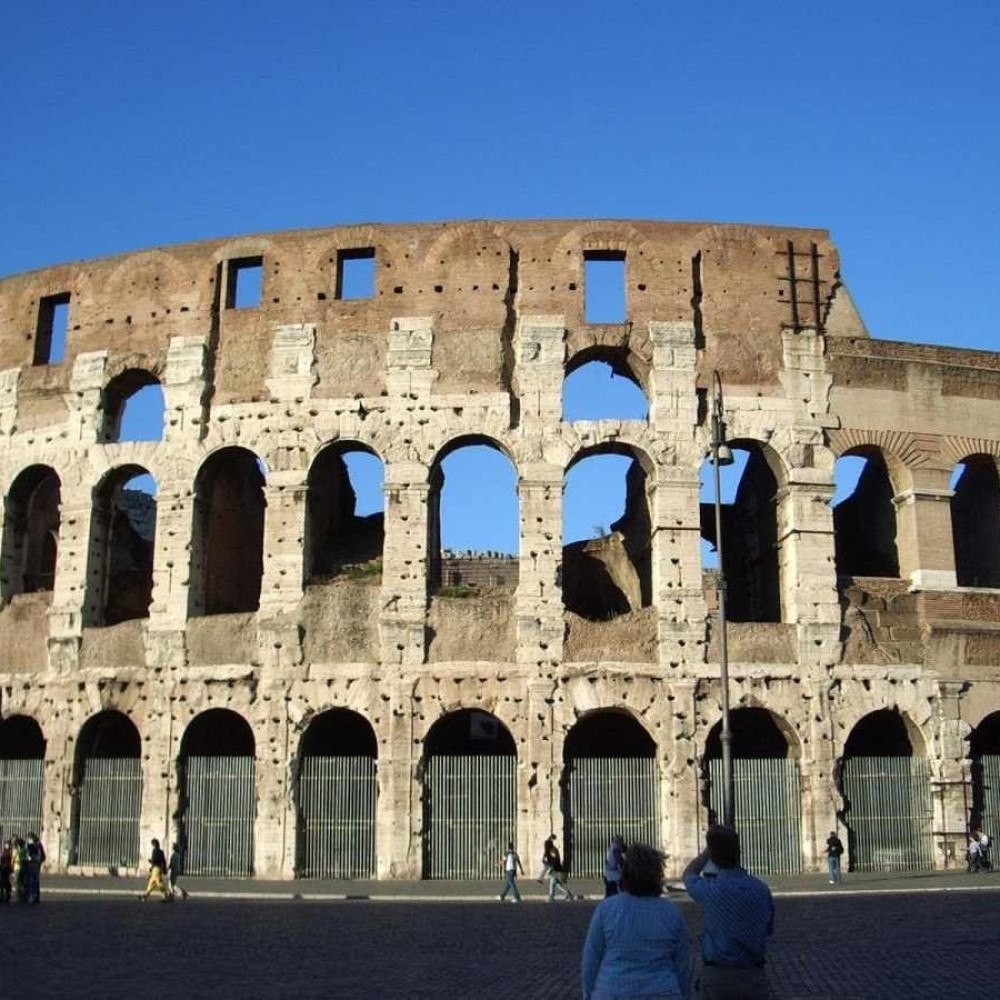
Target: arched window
(864,516)
(975,522)
(227,539)
(600,385)
(345,520)
(134,407)
(31,532)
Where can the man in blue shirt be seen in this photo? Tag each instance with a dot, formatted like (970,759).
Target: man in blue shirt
(738,915)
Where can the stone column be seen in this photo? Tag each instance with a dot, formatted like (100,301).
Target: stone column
(538,776)
(158,778)
(273,855)
(399,819)
(951,777)
(70,586)
(923,531)
(184,389)
(684,817)
(84,398)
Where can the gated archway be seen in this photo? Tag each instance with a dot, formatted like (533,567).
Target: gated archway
(984,752)
(107,786)
(470,795)
(885,784)
(609,786)
(22,758)
(218,795)
(335,797)
(767,796)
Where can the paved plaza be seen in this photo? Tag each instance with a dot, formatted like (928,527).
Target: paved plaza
(893,942)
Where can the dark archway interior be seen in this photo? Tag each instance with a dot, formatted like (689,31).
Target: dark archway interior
(755,735)
(339,733)
(218,733)
(880,734)
(985,738)
(865,524)
(21,738)
(975,523)
(31,530)
(608,734)
(108,735)
(750,548)
(469,732)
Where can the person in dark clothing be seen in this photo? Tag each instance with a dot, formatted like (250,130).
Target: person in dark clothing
(35,858)
(834,849)
(174,870)
(157,869)
(6,870)
(554,866)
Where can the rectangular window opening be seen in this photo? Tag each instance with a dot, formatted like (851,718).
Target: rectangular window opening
(604,286)
(356,273)
(50,335)
(245,283)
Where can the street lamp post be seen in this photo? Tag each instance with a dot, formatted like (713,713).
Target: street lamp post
(722,455)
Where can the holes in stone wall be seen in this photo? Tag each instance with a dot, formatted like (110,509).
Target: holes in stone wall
(51,329)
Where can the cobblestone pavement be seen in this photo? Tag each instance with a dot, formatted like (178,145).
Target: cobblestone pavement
(864,947)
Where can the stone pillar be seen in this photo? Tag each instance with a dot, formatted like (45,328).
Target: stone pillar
(399,820)
(158,799)
(57,801)
(70,586)
(673,391)
(9,380)
(171,574)
(84,398)
(819,777)
(683,816)
(923,532)
(538,774)
(403,617)
(271,831)
(184,389)
(951,777)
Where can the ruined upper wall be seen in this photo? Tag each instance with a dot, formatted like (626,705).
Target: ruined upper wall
(739,286)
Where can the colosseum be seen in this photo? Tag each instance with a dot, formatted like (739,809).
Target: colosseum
(239,658)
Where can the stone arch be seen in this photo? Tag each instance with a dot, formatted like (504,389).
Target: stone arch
(607,749)
(975,521)
(468,771)
(121,548)
(227,535)
(612,574)
(621,362)
(336,535)
(125,393)
(107,792)
(31,531)
(22,763)
(217,794)
(984,758)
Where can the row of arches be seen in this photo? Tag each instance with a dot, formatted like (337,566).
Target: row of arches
(608,784)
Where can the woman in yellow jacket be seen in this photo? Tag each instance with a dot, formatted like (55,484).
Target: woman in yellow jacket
(157,866)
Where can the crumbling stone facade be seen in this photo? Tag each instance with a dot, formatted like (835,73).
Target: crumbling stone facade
(468,335)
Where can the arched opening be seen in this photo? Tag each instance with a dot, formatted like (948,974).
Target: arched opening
(751,548)
(22,760)
(984,754)
(31,532)
(227,538)
(864,515)
(885,784)
(469,795)
(133,407)
(600,385)
(120,555)
(107,793)
(472,520)
(975,521)
(336,794)
(767,794)
(217,795)
(609,787)
(345,518)
(607,535)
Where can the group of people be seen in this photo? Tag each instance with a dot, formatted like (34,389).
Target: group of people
(21,861)
(164,876)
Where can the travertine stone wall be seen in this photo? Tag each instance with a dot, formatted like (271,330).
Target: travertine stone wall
(468,336)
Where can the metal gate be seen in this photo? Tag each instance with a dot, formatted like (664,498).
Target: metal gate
(20,797)
(336,817)
(989,775)
(888,813)
(608,796)
(768,805)
(107,812)
(219,814)
(470,813)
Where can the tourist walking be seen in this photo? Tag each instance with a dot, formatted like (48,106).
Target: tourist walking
(157,869)
(175,868)
(638,943)
(834,849)
(547,848)
(738,918)
(34,858)
(511,866)
(613,866)
(554,867)
(6,870)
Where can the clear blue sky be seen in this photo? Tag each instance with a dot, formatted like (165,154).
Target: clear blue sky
(130,125)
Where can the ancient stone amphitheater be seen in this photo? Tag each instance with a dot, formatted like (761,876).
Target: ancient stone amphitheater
(238,660)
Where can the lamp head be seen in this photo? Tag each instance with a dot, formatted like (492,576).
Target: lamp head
(724,455)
